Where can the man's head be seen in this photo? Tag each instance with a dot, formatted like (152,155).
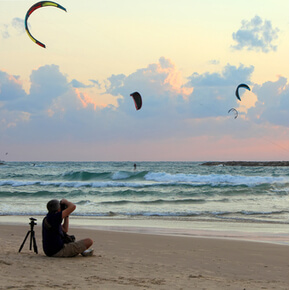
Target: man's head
(53,205)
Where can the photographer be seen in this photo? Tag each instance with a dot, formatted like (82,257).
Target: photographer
(54,232)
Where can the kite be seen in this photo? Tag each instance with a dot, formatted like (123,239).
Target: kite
(33,8)
(241,86)
(234,111)
(137,99)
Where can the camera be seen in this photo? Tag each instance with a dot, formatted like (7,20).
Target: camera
(32,221)
(63,206)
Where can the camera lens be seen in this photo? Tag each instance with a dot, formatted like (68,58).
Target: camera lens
(63,206)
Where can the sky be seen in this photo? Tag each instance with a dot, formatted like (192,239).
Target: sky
(71,100)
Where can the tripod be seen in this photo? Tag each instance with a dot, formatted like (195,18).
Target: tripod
(32,236)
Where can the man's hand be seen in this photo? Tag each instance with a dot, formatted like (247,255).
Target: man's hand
(64,201)
(70,208)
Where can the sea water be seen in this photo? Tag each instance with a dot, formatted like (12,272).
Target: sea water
(165,192)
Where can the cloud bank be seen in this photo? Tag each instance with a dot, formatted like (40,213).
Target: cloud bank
(257,35)
(58,109)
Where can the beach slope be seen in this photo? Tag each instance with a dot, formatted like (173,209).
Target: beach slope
(143,261)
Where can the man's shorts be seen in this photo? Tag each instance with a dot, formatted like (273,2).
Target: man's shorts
(71,249)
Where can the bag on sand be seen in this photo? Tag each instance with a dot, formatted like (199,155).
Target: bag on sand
(68,238)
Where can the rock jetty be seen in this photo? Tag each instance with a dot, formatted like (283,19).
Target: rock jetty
(247,163)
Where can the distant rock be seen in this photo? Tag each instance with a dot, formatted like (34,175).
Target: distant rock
(247,163)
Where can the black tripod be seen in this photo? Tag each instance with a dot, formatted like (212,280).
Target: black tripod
(32,236)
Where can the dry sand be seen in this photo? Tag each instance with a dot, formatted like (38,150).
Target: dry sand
(143,261)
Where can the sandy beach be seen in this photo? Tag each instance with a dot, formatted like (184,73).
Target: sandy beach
(143,261)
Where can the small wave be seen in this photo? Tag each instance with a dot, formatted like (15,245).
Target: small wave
(119,175)
(243,213)
(130,193)
(254,217)
(214,179)
(102,176)
(76,184)
(115,184)
(157,201)
(83,202)
(85,175)
(263,212)
(41,193)
(17,183)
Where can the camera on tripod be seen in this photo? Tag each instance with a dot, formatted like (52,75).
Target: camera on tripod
(33,223)
(32,236)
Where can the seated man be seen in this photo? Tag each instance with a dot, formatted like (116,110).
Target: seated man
(53,232)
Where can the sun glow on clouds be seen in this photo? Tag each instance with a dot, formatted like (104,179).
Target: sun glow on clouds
(174,78)
(15,79)
(85,99)
(249,101)
(96,101)
(188,117)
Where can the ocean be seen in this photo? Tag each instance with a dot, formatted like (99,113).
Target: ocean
(163,192)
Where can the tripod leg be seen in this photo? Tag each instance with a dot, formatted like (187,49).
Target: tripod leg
(24,241)
(30,246)
(34,243)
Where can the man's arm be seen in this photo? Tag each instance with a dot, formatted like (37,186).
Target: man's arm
(65,224)
(66,212)
(70,208)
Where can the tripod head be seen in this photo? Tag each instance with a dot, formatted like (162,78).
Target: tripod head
(32,222)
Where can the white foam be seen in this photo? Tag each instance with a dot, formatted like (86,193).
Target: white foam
(212,178)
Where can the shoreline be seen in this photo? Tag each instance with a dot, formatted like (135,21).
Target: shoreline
(262,233)
(137,261)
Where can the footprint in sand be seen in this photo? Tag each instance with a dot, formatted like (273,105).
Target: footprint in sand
(5,263)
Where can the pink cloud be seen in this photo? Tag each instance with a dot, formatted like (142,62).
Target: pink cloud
(174,77)
(86,100)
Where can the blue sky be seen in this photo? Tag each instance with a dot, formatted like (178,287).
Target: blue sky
(71,101)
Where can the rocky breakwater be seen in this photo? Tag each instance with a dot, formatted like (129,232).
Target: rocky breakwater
(247,163)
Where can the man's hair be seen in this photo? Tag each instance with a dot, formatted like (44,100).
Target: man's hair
(53,205)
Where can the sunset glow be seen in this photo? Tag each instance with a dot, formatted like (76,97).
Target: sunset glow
(186,62)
